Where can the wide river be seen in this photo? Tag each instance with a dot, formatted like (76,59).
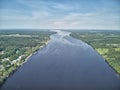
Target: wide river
(65,63)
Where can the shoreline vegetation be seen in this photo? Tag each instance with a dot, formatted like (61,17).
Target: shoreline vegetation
(106,43)
(17,47)
(42,46)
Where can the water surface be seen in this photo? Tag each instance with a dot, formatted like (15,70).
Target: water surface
(64,64)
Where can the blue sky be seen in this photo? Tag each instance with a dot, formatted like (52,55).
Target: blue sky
(60,14)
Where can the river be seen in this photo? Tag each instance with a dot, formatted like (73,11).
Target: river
(65,63)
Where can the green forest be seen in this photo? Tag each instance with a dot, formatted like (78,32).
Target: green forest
(16,46)
(105,42)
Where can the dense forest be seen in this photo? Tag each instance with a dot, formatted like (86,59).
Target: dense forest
(16,46)
(106,43)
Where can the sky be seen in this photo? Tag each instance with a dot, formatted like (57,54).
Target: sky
(60,14)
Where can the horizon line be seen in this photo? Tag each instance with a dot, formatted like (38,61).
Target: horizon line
(50,29)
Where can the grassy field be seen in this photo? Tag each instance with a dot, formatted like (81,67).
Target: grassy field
(105,42)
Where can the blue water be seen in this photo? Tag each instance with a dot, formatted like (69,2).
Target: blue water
(65,63)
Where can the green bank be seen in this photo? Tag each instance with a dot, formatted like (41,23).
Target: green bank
(105,42)
(16,46)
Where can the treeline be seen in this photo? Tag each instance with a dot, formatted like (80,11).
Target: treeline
(14,49)
(107,43)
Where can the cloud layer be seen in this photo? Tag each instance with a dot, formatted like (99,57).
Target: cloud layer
(60,14)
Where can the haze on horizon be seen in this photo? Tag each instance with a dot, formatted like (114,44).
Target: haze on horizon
(60,14)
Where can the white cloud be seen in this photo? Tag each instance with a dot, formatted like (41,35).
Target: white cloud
(87,21)
(65,7)
(42,14)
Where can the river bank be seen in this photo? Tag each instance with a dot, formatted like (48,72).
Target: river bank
(42,46)
(106,43)
(65,63)
(21,63)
